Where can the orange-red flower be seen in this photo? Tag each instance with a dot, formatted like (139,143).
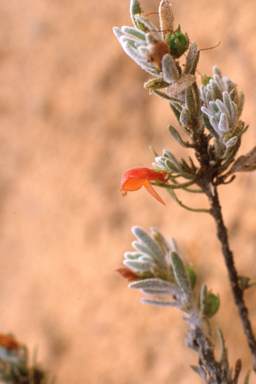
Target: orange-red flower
(135,178)
(8,342)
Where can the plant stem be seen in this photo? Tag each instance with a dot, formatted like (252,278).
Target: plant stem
(232,273)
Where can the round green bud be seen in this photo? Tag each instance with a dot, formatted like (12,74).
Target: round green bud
(178,44)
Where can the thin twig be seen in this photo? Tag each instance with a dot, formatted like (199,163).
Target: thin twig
(232,272)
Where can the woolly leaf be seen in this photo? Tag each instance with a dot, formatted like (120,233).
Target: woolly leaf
(208,125)
(132,255)
(156,251)
(181,85)
(223,349)
(138,265)
(160,303)
(170,71)
(158,285)
(135,9)
(134,32)
(184,117)
(208,302)
(154,84)
(175,134)
(181,275)
(245,163)
(223,124)
(192,276)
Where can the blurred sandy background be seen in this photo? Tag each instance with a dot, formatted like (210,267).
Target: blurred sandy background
(74,116)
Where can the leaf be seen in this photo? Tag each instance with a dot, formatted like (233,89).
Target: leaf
(184,117)
(208,302)
(224,351)
(162,95)
(169,68)
(142,266)
(154,84)
(159,302)
(247,377)
(245,163)
(192,59)
(209,126)
(181,275)
(192,276)
(134,32)
(132,255)
(158,285)
(146,239)
(180,85)
(135,9)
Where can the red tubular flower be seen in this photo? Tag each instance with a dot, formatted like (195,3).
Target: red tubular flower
(135,178)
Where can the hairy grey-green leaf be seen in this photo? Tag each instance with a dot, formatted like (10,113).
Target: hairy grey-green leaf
(118,33)
(154,84)
(223,124)
(221,150)
(172,158)
(216,71)
(231,142)
(245,163)
(132,255)
(134,32)
(216,91)
(169,68)
(147,24)
(227,102)
(209,127)
(214,123)
(159,238)
(143,248)
(223,109)
(207,112)
(191,100)
(175,134)
(192,69)
(171,167)
(203,299)
(214,107)
(184,117)
(132,44)
(162,95)
(144,237)
(240,103)
(192,59)
(176,105)
(135,9)
(180,85)
(176,110)
(134,54)
(160,303)
(155,284)
(224,351)
(138,265)
(181,275)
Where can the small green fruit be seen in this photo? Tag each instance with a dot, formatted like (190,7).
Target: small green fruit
(178,44)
